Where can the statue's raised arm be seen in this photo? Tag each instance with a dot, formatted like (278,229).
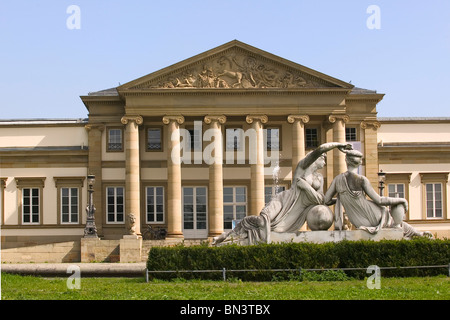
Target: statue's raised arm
(311,157)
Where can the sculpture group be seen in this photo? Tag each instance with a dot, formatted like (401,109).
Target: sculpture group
(350,192)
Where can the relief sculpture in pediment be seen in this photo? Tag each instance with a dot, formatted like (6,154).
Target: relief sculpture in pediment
(237,71)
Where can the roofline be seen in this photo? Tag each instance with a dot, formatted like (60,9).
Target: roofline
(226,46)
(44,121)
(413,119)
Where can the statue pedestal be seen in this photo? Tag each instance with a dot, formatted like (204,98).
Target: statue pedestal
(336,236)
(130,248)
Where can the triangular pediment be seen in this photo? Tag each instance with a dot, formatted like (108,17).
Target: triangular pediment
(235,65)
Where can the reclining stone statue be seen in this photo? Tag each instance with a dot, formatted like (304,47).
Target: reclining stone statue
(367,214)
(288,210)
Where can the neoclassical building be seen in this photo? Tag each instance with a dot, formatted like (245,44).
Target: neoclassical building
(204,142)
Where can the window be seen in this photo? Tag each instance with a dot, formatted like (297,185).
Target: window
(30,205)
(2,199)
(154,204)
(115,204)
(272,137)
(434,186)
(154,139)
(397,185)
(195,138)
(270,191)
(69,199)
(233,138)
(350,134)
(434,200)
(311,137)
(234,205)
(195,212)
(30,199)
(69,205)
(396,190)
(115,139)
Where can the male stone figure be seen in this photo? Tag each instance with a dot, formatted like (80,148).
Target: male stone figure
(370,215)
(131,223)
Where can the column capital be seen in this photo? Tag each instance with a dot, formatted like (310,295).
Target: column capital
(370,123)
(168,118)
(94,126)
(258,117)
(136,118)
(297,117)
(215,118)
(333,117)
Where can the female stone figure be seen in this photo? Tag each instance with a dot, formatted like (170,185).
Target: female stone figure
(288,210)
(367,214)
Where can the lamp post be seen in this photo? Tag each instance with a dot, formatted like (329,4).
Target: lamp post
(90,231)
(381,181)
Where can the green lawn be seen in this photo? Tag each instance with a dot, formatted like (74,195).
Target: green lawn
(15,287)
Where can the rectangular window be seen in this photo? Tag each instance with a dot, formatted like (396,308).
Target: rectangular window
(115,140)
(69,205)
(271,191)
(233,138)
(154,204)
(272,136)
(2,199)
(396,190)
(311,138)
(115,204)
(234,205)
(195,139)
(154,139)
(195,212)
(30,205)
(434,200)
(350,134)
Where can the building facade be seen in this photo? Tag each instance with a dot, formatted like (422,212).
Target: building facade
(202,143)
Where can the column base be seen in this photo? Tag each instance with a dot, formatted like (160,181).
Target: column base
(174,236)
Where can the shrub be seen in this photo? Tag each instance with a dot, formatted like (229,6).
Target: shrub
(263,257)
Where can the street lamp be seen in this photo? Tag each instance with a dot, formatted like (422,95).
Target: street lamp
(90,231)
(381,181)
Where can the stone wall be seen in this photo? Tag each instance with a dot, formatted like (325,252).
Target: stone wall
(88,250)
(50,253)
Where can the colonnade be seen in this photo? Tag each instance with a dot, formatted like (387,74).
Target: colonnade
(215,191)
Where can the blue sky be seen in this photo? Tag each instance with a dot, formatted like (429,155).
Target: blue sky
(45,66)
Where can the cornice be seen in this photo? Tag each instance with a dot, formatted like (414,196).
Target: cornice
(230,91)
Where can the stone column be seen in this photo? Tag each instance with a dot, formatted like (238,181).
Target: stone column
(370,128)
(174,218)
(338,121)
(95,167)
(298,138)
(215,192)
(257,169)
(132,175)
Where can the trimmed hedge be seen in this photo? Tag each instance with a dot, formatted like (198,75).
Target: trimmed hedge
(344,254)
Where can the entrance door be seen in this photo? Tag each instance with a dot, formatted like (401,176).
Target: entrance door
(195,213)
